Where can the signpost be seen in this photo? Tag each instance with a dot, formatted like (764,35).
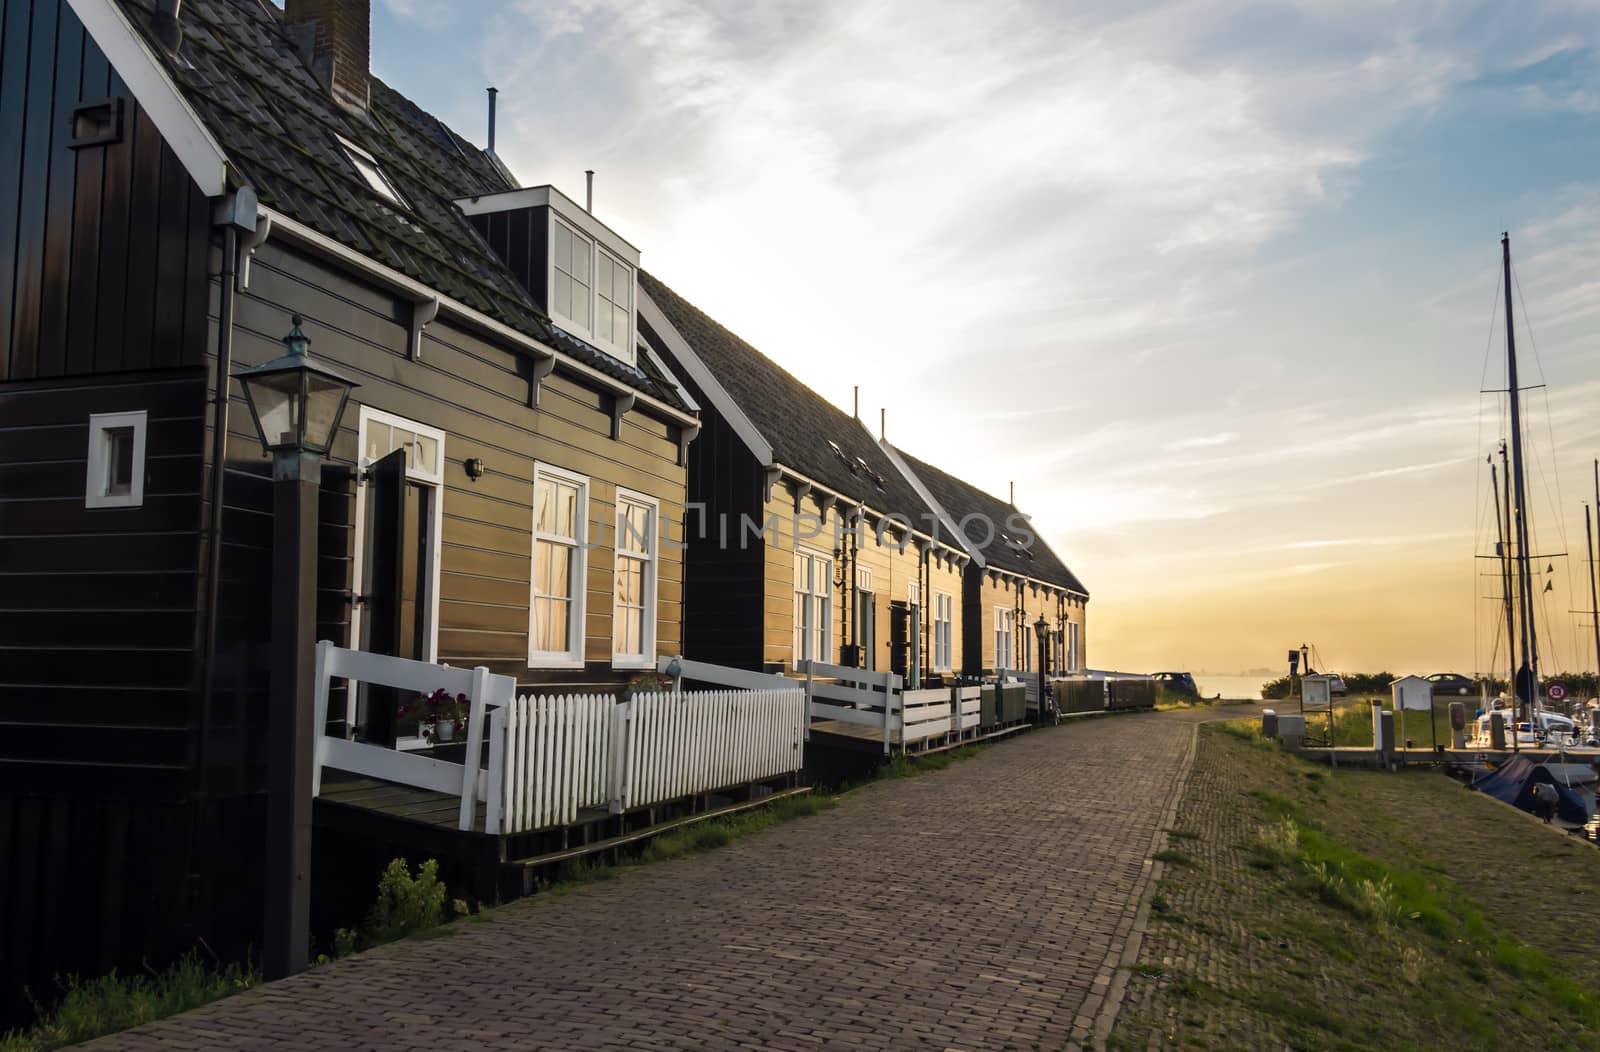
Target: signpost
(1556,692)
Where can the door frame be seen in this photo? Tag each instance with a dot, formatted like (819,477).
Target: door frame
(432,479)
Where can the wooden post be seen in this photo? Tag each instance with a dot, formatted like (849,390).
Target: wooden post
(478,706)
(286,945)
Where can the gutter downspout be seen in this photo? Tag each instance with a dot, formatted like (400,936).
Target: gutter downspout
(233,214)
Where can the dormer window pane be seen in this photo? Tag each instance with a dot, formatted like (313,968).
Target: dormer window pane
(570,294)
(613,300)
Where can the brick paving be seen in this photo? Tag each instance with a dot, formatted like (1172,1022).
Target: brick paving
(986,906)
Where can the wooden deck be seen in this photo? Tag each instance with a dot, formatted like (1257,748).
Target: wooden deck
(396,801)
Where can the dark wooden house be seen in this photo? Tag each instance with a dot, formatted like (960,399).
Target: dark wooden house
(1014,578)
(172,190)
(803,540)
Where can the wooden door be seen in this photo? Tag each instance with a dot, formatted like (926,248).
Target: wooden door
(899,640)
(397,603)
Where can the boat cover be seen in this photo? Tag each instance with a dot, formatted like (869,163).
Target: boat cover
(1513,782)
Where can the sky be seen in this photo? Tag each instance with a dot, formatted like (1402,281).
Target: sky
(1216,285)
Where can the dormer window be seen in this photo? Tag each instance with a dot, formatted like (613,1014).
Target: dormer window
(367,166)
(591,290)
(574,266)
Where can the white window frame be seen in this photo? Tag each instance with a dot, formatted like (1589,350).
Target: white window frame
(623,350)
(944,608)
(577,611)
(96,477)
(432,476)
(646,658)
(808,603)
(1074,661)
(1005,627)
(620,349)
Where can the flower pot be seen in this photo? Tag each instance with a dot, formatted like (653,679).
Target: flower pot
(444,730)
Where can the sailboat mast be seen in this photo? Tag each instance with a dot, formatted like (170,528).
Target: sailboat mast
(1594,581)
(1505,568)
(1527,678)
(1594,603)
(1513,584)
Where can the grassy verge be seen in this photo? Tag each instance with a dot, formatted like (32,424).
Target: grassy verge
(1317,909)
(95,1007)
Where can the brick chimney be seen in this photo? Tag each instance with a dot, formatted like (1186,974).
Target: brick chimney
(334,37)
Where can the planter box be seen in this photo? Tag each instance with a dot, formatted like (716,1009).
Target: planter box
(1013,703)
(989,707)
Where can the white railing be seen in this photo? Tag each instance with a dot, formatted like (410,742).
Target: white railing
(552,757)
(423,772)
(681,744)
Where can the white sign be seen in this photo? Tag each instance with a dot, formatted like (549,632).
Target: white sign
(1556,691)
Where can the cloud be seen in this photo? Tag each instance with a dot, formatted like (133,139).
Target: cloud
(1221,438)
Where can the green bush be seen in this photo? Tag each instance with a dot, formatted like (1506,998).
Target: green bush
(405,904)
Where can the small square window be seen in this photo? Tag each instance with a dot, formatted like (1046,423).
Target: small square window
(97,122)
(115,474)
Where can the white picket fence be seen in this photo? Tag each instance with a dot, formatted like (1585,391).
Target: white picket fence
(552,757)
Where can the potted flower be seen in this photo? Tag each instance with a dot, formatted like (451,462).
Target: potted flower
(440,715)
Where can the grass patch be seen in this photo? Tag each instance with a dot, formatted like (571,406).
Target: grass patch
(1173,857)
(1355,909)
(94,1007)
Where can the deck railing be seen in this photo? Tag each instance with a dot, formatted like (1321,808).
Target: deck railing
(551,758)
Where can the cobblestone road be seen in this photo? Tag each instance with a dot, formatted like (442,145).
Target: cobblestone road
(986,906)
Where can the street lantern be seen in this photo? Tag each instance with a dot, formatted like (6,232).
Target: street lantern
(296,402)
(1041,629)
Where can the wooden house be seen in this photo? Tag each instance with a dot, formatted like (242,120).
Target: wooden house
(174,189)
(803,541)
(1013,579)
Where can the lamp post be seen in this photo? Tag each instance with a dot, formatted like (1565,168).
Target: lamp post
(296,403)
(1041,629)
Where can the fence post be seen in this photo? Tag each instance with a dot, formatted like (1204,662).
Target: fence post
(891,687)
(474,758)
(617,783)
(810,676)
(494,818)
(319,751)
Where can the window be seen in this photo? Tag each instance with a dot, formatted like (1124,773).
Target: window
(382,434)
(115,475)
(570,254)
(560,506)
(1005,620)
(1074,658)
(633,617)
(813,588)
(367,167)
(613,303)
(943,625)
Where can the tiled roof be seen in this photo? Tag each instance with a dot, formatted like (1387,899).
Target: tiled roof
(278,128)
(1004,551)
(808,433)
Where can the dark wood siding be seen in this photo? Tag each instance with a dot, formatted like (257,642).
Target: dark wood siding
(520,237)
(102,248)
(97,605)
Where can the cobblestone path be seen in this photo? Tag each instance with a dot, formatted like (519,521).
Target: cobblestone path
(985,906)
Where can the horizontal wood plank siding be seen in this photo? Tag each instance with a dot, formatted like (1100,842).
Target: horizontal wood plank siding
(477,392)
(98,605)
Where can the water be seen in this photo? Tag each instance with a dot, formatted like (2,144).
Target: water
(1230,687)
